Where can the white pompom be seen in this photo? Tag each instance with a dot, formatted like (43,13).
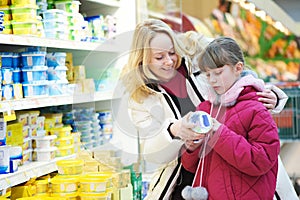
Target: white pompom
(186,192)
(199,193)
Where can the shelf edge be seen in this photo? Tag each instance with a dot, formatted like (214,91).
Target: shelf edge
(39,102)
(31,170)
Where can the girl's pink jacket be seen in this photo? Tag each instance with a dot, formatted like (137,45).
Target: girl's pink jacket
(242,154)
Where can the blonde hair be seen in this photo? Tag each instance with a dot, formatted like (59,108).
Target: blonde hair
(193,43)
(136,73)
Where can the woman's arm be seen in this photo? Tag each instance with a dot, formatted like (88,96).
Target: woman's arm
(149,118)
(273,98)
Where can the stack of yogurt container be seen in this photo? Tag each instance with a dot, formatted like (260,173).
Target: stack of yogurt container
(24,18)
(34,73)
(64,21)
(57,73)
(55,24)
(106,124)
(10,76)
(87,123)
(75,20)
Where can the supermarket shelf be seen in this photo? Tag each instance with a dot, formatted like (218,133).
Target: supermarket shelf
(39,102)
(111,3)
(22,40)
(28,171)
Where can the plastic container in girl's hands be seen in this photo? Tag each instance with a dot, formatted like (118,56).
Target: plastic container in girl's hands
(202,120)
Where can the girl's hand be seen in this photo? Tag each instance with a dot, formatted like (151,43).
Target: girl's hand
(216,125)
(183,129)
(268,98)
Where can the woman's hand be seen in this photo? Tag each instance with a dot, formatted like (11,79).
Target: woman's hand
(268,98)
(183,129)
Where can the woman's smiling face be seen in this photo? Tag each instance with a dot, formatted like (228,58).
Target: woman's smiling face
(163,57)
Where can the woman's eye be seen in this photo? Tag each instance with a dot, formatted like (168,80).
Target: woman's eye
(159,58)
(172,53)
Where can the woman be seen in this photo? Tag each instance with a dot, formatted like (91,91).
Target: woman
(162,88)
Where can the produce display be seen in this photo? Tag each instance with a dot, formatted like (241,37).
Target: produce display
(274,55)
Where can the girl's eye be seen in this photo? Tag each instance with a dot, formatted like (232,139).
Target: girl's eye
(207,74)
(172,53)
(159,58)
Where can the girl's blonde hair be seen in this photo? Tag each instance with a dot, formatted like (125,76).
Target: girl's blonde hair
(136,73)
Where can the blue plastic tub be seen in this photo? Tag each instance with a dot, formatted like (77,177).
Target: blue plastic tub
(6,59)
(30,59)
(56,59)
(7,75)
(35,89)
(57,87)
(7,92)
(16,60)
(38,73)
(57,73)
(17,75)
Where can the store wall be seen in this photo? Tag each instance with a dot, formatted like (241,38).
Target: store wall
(199,8)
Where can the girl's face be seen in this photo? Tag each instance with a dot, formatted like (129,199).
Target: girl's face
(163,57)
(222,78)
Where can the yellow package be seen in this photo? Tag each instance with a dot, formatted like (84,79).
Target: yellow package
(79,72)
(14,134)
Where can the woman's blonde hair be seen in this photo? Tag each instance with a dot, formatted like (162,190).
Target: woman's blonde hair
(136,73)
(193,43)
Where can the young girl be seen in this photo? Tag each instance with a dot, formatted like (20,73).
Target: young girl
(238,159)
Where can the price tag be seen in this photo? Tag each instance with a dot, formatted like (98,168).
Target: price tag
(8,113)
